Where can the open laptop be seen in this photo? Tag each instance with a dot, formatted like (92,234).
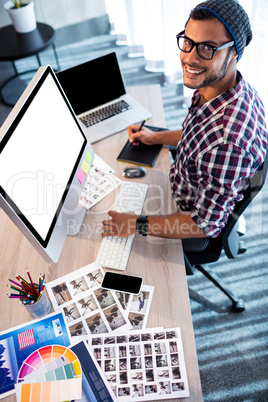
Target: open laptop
(97,94)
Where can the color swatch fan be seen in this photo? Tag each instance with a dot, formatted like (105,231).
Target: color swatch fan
(48,374)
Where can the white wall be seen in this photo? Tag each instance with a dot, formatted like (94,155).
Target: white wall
(59,13)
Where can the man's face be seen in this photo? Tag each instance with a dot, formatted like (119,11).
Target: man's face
(200,73)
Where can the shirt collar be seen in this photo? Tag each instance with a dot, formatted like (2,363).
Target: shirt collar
(214,105)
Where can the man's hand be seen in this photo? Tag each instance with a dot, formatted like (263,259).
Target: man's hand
(145,136)
(149,137)
(120,224)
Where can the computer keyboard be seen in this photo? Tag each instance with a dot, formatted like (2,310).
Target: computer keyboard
(114,251)
(102,114)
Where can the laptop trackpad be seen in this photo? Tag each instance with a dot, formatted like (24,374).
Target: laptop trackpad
(117,123)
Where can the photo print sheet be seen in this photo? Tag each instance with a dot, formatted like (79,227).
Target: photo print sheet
(137,307)
(143,365)
(100,182)
(88,308)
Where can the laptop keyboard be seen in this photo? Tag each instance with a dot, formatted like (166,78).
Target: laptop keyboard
(102,114)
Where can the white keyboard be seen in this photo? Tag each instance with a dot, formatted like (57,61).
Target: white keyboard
(114,251)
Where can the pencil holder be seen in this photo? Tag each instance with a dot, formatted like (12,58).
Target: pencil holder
(40,308)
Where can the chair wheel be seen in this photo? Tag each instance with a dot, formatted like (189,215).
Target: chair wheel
(238,306)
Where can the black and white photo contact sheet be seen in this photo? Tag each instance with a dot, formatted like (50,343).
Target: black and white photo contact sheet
(89,309)
(143,365)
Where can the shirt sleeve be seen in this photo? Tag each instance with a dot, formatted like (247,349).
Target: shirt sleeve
(224,172)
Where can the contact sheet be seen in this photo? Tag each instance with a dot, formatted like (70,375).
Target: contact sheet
(143,365)
(89,309)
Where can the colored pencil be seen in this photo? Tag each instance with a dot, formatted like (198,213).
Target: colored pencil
(28,292)
(28,273)
(17,289)
(15,283)
(25,284)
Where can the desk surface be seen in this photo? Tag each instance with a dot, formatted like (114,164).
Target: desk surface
(163,266)
(14,46)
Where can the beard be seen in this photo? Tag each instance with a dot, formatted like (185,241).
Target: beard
(212,77)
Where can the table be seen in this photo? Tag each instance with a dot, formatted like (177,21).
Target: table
(15,46)
(159,261)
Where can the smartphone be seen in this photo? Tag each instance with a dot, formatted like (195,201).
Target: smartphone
(122,283)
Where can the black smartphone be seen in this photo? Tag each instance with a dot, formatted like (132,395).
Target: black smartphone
(122,283)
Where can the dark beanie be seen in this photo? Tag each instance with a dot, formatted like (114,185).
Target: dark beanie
(234,18)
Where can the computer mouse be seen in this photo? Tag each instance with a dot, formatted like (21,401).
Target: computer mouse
(133,172)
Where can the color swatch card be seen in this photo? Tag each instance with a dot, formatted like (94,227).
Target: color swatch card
(21,342)
(46,360)
(52,373)
(44,369)
(51,391)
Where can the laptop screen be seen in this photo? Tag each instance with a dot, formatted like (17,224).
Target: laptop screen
(93,83)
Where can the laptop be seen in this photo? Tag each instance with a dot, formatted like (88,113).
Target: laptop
(97,94)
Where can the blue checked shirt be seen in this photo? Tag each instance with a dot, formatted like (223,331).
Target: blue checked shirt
(223,142)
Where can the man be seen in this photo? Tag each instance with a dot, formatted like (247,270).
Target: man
(223,139)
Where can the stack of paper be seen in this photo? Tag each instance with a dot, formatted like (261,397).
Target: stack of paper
(138,363)
(91,310)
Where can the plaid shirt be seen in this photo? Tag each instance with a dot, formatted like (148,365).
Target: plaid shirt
(223,142)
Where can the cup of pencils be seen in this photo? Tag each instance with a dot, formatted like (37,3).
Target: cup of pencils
(30,294)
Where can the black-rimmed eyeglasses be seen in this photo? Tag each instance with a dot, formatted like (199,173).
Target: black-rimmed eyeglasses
(204,50)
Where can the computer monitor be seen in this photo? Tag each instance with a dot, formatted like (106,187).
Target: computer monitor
(44,159)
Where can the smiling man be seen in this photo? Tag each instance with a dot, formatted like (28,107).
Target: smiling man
(223,138)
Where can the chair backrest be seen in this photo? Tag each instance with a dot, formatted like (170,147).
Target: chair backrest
(230,239)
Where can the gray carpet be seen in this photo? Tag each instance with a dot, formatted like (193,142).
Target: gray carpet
(232,348)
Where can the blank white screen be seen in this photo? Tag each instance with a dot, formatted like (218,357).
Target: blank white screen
(39,157)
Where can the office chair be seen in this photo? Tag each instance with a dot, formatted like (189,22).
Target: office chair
(228,240)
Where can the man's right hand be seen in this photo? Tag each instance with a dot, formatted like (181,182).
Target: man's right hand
(145,136)
(149,137)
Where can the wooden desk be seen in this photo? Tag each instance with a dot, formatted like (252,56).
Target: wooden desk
(159,261)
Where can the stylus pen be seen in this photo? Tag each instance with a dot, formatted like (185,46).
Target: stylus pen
(142,124)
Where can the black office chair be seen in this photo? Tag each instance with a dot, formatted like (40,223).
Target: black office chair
(228,240)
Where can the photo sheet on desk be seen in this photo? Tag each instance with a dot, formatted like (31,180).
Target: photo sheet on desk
(143,365)
(141,154)
(89,309)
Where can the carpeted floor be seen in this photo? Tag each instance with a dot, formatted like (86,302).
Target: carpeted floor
(232,348)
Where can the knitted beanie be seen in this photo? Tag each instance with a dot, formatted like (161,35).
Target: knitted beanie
(234,18)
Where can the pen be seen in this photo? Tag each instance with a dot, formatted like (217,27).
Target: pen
(142,124)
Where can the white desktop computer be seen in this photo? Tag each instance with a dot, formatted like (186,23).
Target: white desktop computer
(44,159)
